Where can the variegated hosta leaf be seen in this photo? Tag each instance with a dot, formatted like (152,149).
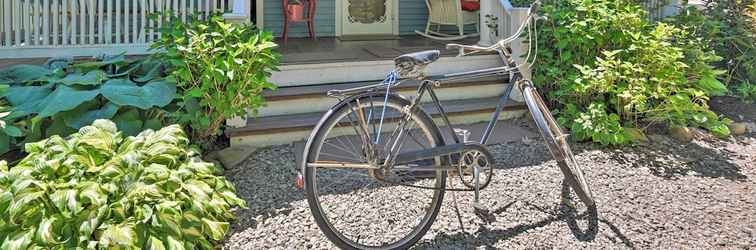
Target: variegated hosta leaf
(96,189)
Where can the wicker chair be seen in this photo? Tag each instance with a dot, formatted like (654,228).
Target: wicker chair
(451,13)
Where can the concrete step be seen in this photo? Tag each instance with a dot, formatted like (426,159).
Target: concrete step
(283,129)
(323,73)
(309,99)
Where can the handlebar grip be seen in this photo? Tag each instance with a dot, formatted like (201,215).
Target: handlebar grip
(535,6)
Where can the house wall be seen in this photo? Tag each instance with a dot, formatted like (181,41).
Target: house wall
(325,16)
(413,15)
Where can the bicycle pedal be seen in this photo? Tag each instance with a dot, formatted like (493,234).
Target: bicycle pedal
(480,208)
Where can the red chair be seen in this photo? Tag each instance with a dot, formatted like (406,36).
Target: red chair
(295,13)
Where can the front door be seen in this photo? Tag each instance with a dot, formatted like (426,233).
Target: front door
(367,17)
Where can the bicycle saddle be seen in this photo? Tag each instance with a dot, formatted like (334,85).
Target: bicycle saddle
(411,65)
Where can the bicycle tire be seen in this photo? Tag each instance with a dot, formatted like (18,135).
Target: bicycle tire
(316,142)
(557,145)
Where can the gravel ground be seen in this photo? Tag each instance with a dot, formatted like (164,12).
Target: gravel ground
(658,195)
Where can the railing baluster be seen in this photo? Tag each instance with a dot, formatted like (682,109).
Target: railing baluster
(143,30)
(46,22)
(126,10)
(118,22)
(55,18)
(27,23)
(109,27)
(100,22)
(134,21)
(152,21)
(83,21)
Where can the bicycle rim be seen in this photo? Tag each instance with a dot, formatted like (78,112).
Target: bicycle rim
(379,214)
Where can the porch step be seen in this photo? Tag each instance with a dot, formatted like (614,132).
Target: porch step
(283,129)
(355,71)
(308,99)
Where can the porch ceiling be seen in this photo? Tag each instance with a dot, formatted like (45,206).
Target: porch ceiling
(331,49)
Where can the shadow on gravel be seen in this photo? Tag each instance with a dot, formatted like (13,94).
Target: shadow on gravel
(485,237)
(670,159)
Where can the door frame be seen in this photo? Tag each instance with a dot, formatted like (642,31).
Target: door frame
(394,17)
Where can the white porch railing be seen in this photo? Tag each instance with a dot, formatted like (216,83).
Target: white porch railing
(47,28)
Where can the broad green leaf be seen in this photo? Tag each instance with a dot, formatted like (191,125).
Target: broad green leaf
(56,63)
(17,240)
(217,230)
(79,118)
(58,127)
(18,96)
(115,235)
(711,85)
(92,193)
(155,244)
(128,93)
(105,60)
(64,98)
(12,131)
(23,73)
(94,77)
(23,202)
(5,143)
(174,244)
(66,202)
(129,122)
(45,232)
(153,124)
(5,200)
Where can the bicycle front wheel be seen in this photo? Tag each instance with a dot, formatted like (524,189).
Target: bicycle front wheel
(357,207)
(556,141)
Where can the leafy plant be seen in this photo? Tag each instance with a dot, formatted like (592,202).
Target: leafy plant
(729,28)
(97,189)
(220,68)
(58,98)
(606,66)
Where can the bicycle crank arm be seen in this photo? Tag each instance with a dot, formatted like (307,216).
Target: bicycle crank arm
(438,151)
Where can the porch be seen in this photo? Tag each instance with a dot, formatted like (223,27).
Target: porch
(312,67)
(333,49)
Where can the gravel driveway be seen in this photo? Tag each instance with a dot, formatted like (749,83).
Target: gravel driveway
(663,194)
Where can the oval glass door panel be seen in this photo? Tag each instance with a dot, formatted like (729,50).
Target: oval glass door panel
(367,17)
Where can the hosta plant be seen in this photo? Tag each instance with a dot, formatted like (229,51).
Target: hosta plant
(97,189)
(58,98)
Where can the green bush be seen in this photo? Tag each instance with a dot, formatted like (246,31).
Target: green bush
(97,189)
(606,67)
(59,97)
(729,28)
(220,68)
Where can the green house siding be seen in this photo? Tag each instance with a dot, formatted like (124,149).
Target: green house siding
(413,15)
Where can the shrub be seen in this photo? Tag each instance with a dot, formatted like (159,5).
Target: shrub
(605,66)
(58,98)
(729,28)
(221,70)
(97,189)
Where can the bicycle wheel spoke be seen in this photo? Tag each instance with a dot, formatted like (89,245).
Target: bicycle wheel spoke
(351,193)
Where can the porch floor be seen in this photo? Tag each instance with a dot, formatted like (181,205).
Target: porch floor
(332,49)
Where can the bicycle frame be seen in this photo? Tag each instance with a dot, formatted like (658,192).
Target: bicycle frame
(427,84)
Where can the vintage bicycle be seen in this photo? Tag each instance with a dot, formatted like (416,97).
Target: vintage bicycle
(376,166)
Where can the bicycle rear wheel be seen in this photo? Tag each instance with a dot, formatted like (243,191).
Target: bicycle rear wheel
(556,141)
(361,208)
